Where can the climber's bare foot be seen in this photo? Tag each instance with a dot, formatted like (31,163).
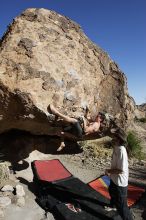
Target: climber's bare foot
(53,109)
(62,145)
(50,110)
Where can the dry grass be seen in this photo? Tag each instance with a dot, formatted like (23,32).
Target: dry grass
(97,148)
(101,151)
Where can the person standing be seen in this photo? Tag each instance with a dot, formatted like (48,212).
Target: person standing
(119,176)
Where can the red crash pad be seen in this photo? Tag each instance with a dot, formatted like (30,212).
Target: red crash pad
(101,185)
(50,170)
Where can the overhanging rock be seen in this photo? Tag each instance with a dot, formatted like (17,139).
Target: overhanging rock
(46,58)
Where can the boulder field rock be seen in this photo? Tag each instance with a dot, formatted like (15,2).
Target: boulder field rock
(46,58)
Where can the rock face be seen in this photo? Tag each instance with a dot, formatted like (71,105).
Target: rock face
(46,58)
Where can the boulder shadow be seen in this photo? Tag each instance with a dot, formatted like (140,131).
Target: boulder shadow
(16,145)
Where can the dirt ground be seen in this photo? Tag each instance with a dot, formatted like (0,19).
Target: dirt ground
(81,167)
(20,149)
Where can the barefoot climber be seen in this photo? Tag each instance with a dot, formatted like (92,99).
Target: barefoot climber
(76,130)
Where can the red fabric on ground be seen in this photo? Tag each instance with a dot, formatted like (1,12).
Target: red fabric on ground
(51,170)
(134,192)
(99,187)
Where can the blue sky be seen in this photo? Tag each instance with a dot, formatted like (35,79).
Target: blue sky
(118,26)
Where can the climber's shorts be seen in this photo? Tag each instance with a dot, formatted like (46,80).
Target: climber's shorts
(75,129)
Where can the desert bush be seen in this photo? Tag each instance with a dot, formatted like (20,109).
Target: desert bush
(143,120)
(134,145)
(98,147)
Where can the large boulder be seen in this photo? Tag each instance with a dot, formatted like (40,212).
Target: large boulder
(46,58)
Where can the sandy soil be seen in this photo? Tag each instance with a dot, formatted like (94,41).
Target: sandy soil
(79,166)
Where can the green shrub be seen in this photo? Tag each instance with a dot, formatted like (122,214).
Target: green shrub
(142,120)
(134,145)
